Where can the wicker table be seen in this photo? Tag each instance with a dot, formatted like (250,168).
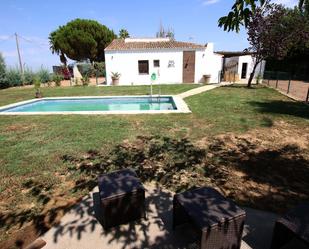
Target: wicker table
(292,229)
(122,197)
(219,221)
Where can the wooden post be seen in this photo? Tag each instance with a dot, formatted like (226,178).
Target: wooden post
(277,81)
(307,98)
(289,85)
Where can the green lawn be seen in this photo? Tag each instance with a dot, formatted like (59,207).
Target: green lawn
(32,147)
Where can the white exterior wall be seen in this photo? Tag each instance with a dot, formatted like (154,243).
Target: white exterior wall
(126,63)
(247,59)
(207,62)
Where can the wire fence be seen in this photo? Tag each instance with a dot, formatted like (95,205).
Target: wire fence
(284,82)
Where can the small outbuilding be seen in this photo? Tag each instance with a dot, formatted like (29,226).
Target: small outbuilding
(237,66)
(160,61)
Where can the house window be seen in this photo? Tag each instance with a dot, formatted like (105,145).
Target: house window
(143,67)
(156,63)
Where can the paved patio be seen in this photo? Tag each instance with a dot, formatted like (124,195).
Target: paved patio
(202,89)
(80,228)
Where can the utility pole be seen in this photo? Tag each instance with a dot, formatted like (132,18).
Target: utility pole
(19,58)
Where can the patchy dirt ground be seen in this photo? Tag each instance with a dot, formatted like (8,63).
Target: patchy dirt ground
(265,168)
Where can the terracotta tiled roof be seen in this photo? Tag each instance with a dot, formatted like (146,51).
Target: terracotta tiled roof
(121,44)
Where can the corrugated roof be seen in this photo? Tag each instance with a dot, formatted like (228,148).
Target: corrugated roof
(122,44)
(233,53)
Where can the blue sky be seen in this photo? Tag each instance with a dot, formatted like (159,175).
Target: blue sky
(33,20)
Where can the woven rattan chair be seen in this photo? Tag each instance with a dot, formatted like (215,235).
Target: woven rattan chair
(122,197)
(218,220)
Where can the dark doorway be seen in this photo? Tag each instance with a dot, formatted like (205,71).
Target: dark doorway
(244,70)
(188,70)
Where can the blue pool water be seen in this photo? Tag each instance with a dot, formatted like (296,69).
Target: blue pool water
(96,104)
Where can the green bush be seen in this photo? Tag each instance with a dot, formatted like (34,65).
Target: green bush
(100,68)
(85,80)
(37,83)
(44,75)
(92,70)
(13,77)
(57,78)
(85,69)
(3,79)
(29,76)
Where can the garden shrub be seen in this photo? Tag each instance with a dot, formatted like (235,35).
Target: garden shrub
(100,68)
(85,80)
(13,77)
(29,76)
(92,70)
(44,75)
(57,78)
(85,69)
(3,80)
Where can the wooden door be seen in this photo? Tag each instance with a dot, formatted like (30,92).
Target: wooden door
(188,70)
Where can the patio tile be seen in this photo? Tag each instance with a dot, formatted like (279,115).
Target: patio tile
(80,228)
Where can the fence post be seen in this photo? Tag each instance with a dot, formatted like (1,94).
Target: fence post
(307,98)
(277,80)
(289,85)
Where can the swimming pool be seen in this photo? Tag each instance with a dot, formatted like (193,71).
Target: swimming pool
(97,105)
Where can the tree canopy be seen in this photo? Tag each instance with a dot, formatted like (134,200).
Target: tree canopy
(241,11)
(123,33)
(81,39)
(274,31)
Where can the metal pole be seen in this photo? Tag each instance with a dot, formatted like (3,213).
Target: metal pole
(19,57)
(96,77)
(151,91)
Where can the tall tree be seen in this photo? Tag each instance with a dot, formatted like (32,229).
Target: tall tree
(241,11)
(272,33)
(81,39)
(123,33)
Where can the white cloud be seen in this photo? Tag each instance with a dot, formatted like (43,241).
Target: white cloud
(287,3)
(209,2)
(5,37)
(9,53)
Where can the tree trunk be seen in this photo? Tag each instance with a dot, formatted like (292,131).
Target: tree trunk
(252,74)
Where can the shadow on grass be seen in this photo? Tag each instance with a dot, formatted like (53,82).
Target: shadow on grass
(297,109)
(273,178)
(37,221)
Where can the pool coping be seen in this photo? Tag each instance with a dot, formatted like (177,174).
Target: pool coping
(180,104)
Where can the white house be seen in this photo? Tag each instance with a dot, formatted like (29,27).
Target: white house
(171,61)
(241,64)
